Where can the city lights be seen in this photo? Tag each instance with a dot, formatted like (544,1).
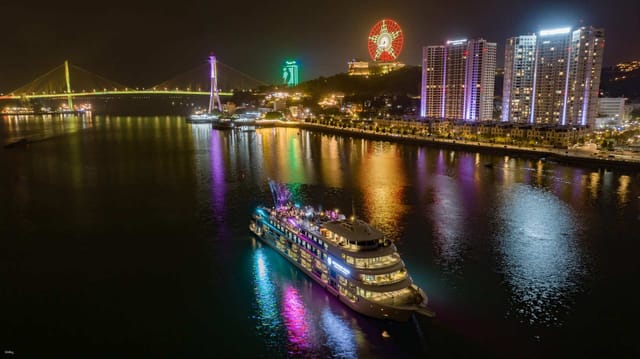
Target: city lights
(456,42)
(558,31)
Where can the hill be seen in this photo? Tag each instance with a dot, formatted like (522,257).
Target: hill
(405,81)
(621,81)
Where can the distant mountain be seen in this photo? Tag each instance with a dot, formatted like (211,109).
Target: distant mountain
(615,82)
(621,81)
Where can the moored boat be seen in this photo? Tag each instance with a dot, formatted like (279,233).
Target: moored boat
(203,117)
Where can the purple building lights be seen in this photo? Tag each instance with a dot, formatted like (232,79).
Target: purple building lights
(458,80)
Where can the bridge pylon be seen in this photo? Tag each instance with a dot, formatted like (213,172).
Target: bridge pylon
(68,81)
(214,96)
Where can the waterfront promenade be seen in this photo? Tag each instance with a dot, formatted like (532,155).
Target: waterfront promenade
(584,155)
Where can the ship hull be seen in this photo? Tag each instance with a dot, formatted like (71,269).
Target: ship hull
(360,305)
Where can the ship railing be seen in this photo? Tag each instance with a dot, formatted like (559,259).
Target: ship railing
(395,258)
(350,246)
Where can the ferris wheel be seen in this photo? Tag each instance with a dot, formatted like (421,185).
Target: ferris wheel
(385,41)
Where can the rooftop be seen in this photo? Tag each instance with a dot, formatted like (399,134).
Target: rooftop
(354,230)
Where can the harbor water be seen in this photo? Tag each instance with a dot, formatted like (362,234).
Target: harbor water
(128,236)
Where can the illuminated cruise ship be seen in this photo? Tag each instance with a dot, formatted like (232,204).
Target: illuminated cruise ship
(349,258)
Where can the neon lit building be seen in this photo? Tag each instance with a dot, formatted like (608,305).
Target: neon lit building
(519,61)
(551,76)
(559,84)
(290,73)
(587,49)
(458,80)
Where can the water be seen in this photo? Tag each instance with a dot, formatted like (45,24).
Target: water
(127,236)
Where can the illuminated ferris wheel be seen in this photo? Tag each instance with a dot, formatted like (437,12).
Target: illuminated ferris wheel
(385,41)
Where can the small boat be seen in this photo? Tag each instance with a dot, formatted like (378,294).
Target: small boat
(223,123)
(204,117)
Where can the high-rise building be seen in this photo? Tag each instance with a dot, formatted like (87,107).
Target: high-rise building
(433,87)
(587,49)
(519,60)
(553,77)
(458,80)
(290,75)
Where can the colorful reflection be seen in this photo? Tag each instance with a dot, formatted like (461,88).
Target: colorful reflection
(383,181)
(282,153)
(541,260)
(330,166)
(268,318)
(448,216)
(296,321)
(218,185)
(340,337)
(623,190)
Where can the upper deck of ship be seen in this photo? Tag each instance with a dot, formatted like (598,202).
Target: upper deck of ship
(353,235)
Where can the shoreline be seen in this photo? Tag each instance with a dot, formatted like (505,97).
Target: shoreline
(550,154)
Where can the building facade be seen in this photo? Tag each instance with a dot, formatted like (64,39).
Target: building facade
(458,80)
(586,52)
(365,68)
(611,106)
(519,61)
(553,77)
(611,112)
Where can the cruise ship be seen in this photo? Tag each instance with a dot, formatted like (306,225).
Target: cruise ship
(349,258)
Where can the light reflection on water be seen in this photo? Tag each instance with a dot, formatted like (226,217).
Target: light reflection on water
(340,337)
(541,261)
(305,317)
(268,315)
(296,321)
(448,217)
(532,231)
(382,180)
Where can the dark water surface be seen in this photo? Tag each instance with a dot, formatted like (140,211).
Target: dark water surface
(127,236)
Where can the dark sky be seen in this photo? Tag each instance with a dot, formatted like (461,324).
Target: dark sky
(141,43)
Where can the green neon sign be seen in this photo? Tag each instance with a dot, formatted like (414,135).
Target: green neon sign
(290,74)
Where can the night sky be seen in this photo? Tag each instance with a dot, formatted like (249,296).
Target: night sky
(144,43)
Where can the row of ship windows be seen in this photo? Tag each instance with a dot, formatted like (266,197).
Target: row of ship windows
(372,262)
(297,240)
(382,295)
(386,278)
(316,240)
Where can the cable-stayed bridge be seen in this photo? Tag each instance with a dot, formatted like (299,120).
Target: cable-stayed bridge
(68,81)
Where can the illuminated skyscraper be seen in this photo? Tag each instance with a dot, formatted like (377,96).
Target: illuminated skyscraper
(432,94)
(458,80)
(587,49)
(290,75)
(551,76)
(559,84)
(519,61)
